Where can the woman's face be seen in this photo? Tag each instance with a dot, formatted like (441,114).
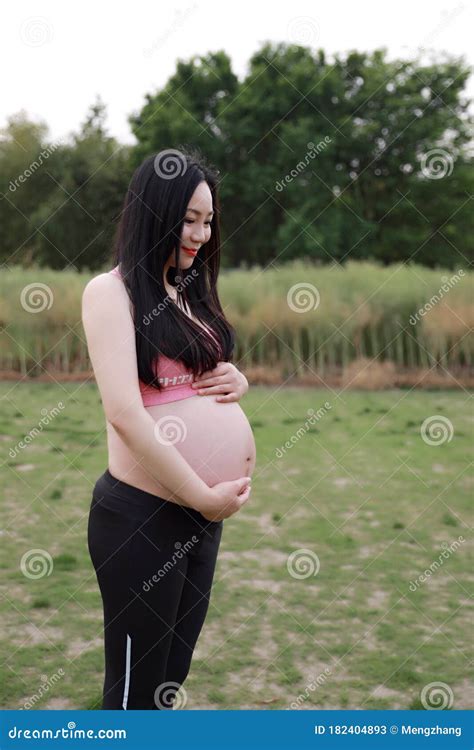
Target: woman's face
(197,224)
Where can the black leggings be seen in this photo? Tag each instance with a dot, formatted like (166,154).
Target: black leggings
(154,562)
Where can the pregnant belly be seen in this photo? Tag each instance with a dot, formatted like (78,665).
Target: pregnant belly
(214,437)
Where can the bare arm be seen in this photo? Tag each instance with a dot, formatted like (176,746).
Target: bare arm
(110,334)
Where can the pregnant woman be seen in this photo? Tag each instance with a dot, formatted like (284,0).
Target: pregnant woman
(180,449)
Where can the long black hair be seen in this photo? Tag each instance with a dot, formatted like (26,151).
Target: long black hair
(148,233)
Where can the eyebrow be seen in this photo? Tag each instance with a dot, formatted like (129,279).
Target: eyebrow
(199,212)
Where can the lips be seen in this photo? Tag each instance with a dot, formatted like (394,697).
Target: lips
(190,251)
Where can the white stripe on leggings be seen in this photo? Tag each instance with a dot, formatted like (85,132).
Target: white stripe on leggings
(127,672)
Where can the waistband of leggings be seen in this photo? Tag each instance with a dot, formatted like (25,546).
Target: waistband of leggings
(145,500)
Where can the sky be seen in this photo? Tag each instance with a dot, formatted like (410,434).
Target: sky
(61,56)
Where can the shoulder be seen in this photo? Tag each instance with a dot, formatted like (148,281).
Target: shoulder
(102,282)
(102,288)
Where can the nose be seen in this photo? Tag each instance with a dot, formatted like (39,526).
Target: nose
(198,235)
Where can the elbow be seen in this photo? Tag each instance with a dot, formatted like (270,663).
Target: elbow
(118,425)
(125,421)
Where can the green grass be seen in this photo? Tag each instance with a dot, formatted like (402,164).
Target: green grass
(360,489)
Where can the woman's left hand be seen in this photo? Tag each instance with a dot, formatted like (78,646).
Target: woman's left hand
(223,379)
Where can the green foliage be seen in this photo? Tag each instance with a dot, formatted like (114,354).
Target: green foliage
(363,194)
(360,191)
(61,199)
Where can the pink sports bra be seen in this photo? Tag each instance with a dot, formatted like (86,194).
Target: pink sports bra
(173,376)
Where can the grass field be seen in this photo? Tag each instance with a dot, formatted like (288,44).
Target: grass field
(370,500)
(294,319)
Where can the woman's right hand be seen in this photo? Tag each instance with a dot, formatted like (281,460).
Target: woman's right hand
(225,499)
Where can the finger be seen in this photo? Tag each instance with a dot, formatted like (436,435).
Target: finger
(207,381)
(206,374)
(228,397)
(203,384)
(245,489)
(214,389)
(218,371)
(244,496)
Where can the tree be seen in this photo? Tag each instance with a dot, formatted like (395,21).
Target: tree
(325,159)
(354,157)
(23,184)
(76,223)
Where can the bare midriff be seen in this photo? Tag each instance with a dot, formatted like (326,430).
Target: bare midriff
(214,437)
